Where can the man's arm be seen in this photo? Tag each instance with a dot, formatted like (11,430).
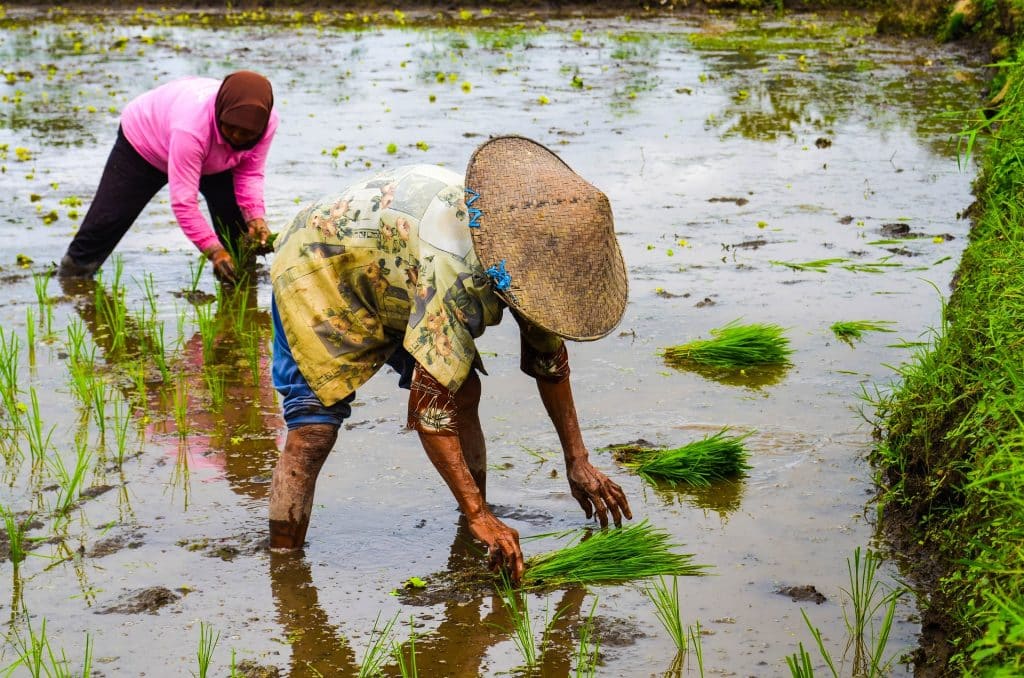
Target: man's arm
(546,359)
(439,416)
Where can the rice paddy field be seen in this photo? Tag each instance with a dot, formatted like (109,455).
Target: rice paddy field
(791,171)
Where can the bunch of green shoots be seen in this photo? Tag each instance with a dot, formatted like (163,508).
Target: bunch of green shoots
(734,346)
(715,457)
(609,557)
(853,330)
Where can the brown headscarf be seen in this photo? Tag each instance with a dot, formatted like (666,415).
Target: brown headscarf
(245,100)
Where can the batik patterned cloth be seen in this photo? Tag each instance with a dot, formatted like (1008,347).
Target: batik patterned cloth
(388,263)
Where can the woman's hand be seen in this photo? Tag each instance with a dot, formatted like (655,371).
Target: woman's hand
(223,265)
(596,493)
(502,544)
(259,231)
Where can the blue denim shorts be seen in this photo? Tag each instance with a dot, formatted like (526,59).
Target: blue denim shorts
(301,405)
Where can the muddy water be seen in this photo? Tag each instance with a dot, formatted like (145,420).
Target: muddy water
(724,145)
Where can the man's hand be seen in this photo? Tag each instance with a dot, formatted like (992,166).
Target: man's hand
(502,544)
(596,493)
(223,265)
(259,231)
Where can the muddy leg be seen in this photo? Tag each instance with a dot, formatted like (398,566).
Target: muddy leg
(471,436)
(294,481)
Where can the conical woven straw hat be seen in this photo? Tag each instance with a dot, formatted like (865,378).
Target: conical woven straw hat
(555,234)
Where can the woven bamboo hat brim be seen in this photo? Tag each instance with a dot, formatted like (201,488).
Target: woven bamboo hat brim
(555,234)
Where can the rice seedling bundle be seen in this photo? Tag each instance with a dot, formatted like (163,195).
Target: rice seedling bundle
(609,557)
(716,457)
(850,330)
(734,346)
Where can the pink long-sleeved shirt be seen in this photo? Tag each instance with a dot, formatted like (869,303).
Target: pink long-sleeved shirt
(174,128)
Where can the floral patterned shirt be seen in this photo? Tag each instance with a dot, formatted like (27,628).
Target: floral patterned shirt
(390,262)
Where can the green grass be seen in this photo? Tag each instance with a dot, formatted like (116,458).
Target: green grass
(734,346)
(715,457)
(951,459)
(611,556)
(853,330)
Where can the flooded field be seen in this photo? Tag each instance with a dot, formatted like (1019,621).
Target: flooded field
(734,151)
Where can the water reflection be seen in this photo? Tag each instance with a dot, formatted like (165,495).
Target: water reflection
(472,622)
(753,378)
(722,497)
(230,422)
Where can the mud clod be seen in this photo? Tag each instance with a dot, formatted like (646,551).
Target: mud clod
(111,545)
(250,669)
(801,594)
(142,600)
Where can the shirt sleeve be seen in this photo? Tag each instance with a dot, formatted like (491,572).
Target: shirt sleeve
(184,168)
(249,175)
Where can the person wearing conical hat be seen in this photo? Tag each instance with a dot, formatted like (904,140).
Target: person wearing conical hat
(195,135)
(407,269)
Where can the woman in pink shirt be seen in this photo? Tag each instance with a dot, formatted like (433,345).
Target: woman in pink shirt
(197,135)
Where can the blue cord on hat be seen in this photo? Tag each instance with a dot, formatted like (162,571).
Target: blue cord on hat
(502,279)
(474,213)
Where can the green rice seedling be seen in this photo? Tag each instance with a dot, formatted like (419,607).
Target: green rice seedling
(158,349)
(196,273)
(516,604)
(853,330)
(206,319)
(38,442)
(99,404)
(41,282)
(867,598)
(181,405)
(149,292)
(111,309)
(251,343)
(122,419)
(589,647)
(179,341)
(37,656)
(376,651)
(734,346)
(406,665)
(207,644)
(137,373)
(879,266)
(9,359)
(216,385)
(611,556)
(30,335)
(70,482)
(666,606)
(867,640)
(818,265)
(697,647)
(715,457)
(82,377)
(799,664)
(16,551)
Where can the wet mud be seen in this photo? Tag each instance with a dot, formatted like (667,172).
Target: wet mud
(707,133)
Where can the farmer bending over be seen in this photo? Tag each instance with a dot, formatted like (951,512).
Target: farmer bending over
(407,269)
(199,135)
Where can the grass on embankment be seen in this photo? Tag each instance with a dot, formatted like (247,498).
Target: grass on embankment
(952,459)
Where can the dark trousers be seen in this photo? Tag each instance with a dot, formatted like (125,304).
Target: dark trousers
(126,187)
